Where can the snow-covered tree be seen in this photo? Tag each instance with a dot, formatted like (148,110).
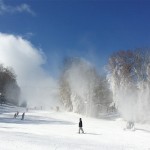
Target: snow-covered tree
(128,78)
(65,92)
(82,89)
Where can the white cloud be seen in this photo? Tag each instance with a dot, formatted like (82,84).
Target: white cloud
(36,84)
(4,8)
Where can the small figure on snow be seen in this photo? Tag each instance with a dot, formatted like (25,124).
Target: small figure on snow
(15,115)
(80,126)
(23,116)
(130,125)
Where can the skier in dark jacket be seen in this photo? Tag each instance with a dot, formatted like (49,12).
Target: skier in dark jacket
(23,116)
(15,115)
(80,126)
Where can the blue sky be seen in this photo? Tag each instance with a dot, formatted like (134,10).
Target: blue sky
(91,29)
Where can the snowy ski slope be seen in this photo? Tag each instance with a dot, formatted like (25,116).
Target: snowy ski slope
(49,130)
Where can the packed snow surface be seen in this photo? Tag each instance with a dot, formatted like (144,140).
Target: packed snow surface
(50,130)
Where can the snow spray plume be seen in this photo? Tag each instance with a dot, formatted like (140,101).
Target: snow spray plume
(37,87)
(80,77)
(129,74)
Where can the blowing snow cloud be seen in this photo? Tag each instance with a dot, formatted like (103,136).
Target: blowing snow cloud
(37,86)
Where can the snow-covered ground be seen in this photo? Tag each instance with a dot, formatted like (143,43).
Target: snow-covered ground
(49,130)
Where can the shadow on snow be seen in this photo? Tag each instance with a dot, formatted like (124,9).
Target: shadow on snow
(92,133)
(148,131)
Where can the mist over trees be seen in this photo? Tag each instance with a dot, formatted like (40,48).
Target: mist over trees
(126,85)
(9,89)
(129,78)
(82,89)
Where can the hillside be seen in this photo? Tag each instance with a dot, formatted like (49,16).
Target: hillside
(50,130)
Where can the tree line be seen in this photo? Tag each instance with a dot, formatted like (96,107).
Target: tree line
(129,78)
(9,89)
(82,89)
(125,86)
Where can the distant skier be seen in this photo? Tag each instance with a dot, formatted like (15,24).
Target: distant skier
(80,126)
(23,116)
(15,115)
(130,125)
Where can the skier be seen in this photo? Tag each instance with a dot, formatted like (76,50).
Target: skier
(15,115)
(130,125)
(80,126)
(23,116)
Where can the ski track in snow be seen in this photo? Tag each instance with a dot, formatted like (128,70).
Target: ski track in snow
(48,130)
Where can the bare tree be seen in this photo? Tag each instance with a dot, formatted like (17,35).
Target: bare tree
(65,93)
(82,89)
(128,77)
